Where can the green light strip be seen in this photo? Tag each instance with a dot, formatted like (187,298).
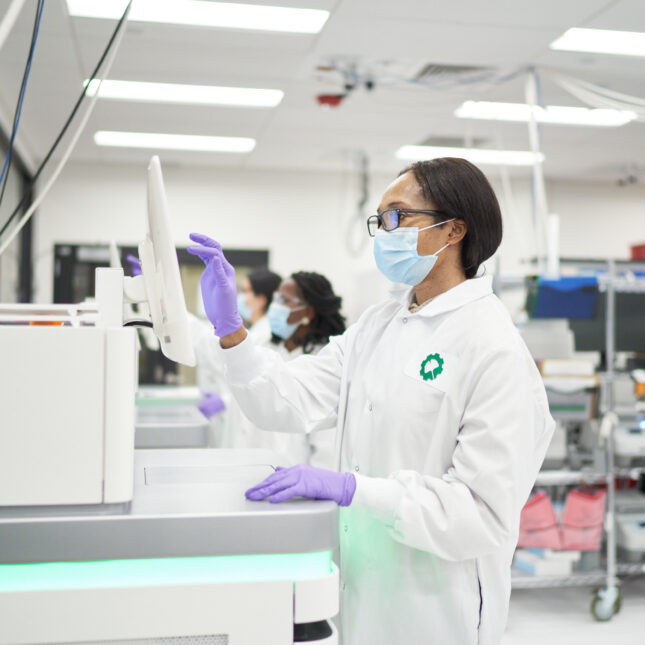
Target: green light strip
(563,407)
(167,403)
(163,571)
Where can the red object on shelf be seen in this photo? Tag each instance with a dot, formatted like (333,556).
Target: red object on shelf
(538,525)
(330,100)
(584,508)
(582,520)
(638,251)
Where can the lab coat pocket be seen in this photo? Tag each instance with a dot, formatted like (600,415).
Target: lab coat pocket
(433,368)
(432,371)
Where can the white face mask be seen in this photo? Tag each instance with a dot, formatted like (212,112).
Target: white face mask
(396,256)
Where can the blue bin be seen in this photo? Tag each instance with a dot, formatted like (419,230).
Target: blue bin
(566,298)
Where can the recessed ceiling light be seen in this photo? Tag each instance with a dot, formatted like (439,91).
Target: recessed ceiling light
(554,114)
(180,93)
(475,155)
(206,14)
(173,141)
(602,41)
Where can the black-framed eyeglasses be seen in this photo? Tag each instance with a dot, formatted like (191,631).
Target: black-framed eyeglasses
(390,219)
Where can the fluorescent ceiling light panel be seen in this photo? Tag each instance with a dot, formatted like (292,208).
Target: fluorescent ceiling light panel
(158,141)
(475,155)
(601,41)
(203,13)
(554,114)
(180,93)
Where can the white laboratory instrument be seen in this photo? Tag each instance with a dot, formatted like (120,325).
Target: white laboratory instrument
(630,535)
(629,444)
(189,561)
(180,426)
(100,543)
(67,401)
(67,388)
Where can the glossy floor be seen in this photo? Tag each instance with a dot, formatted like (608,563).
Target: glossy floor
(562,617)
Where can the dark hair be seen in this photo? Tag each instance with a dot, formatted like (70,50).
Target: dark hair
(461,190)
(319,294)
(264,283)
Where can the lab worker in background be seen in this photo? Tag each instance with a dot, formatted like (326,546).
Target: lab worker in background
(441,417)
(302,316)
(253,302)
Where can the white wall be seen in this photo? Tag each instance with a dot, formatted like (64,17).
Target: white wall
(302,219)
(598,220)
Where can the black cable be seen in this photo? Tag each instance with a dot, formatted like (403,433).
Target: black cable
(61,134)
(21,96)
(137,323)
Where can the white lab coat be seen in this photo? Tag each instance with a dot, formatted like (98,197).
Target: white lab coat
(316,448)
(210,364)
(231,428)
(260,331)
(443,465)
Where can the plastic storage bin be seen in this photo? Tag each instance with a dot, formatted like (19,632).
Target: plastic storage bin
(582,519)
(538,524)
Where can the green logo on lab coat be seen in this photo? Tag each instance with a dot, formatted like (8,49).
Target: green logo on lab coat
(431,367)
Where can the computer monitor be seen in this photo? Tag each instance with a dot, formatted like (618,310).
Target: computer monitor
(590,335)
(160,268)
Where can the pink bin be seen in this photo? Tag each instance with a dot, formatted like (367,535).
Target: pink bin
(538,524)
(582,519)
(582,539)
(584,508)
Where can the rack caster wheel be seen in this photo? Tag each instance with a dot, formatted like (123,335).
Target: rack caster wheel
(606,604)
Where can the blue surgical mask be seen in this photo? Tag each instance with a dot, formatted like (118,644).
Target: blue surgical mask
(243,309)
(278,315)
(396,254)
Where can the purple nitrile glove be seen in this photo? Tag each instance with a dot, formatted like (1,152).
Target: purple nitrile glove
(211,404)
(305,481)
(135,264)
(218,285)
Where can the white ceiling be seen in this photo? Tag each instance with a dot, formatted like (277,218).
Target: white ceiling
(394,39)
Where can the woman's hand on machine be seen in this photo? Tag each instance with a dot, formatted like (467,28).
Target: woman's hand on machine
(305,481)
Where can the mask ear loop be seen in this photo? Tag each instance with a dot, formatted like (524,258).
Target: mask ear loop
(425,228)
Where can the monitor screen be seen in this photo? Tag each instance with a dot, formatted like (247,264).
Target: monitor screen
(161,275)
(630,325)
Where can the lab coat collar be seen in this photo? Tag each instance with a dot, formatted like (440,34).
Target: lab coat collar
(454,298)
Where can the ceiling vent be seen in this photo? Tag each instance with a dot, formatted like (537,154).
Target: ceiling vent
(434,71)
(454,142)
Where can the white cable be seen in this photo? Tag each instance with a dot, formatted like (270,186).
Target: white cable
(600,97)
(540,205)
(10,19)
(602,91)
(30,211)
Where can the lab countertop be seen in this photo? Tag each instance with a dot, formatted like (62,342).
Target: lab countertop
(187,503)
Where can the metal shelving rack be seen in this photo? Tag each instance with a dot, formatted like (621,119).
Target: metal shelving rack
(607,599)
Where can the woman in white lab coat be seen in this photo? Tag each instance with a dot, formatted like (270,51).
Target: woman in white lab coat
(302,316)
(441,418)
